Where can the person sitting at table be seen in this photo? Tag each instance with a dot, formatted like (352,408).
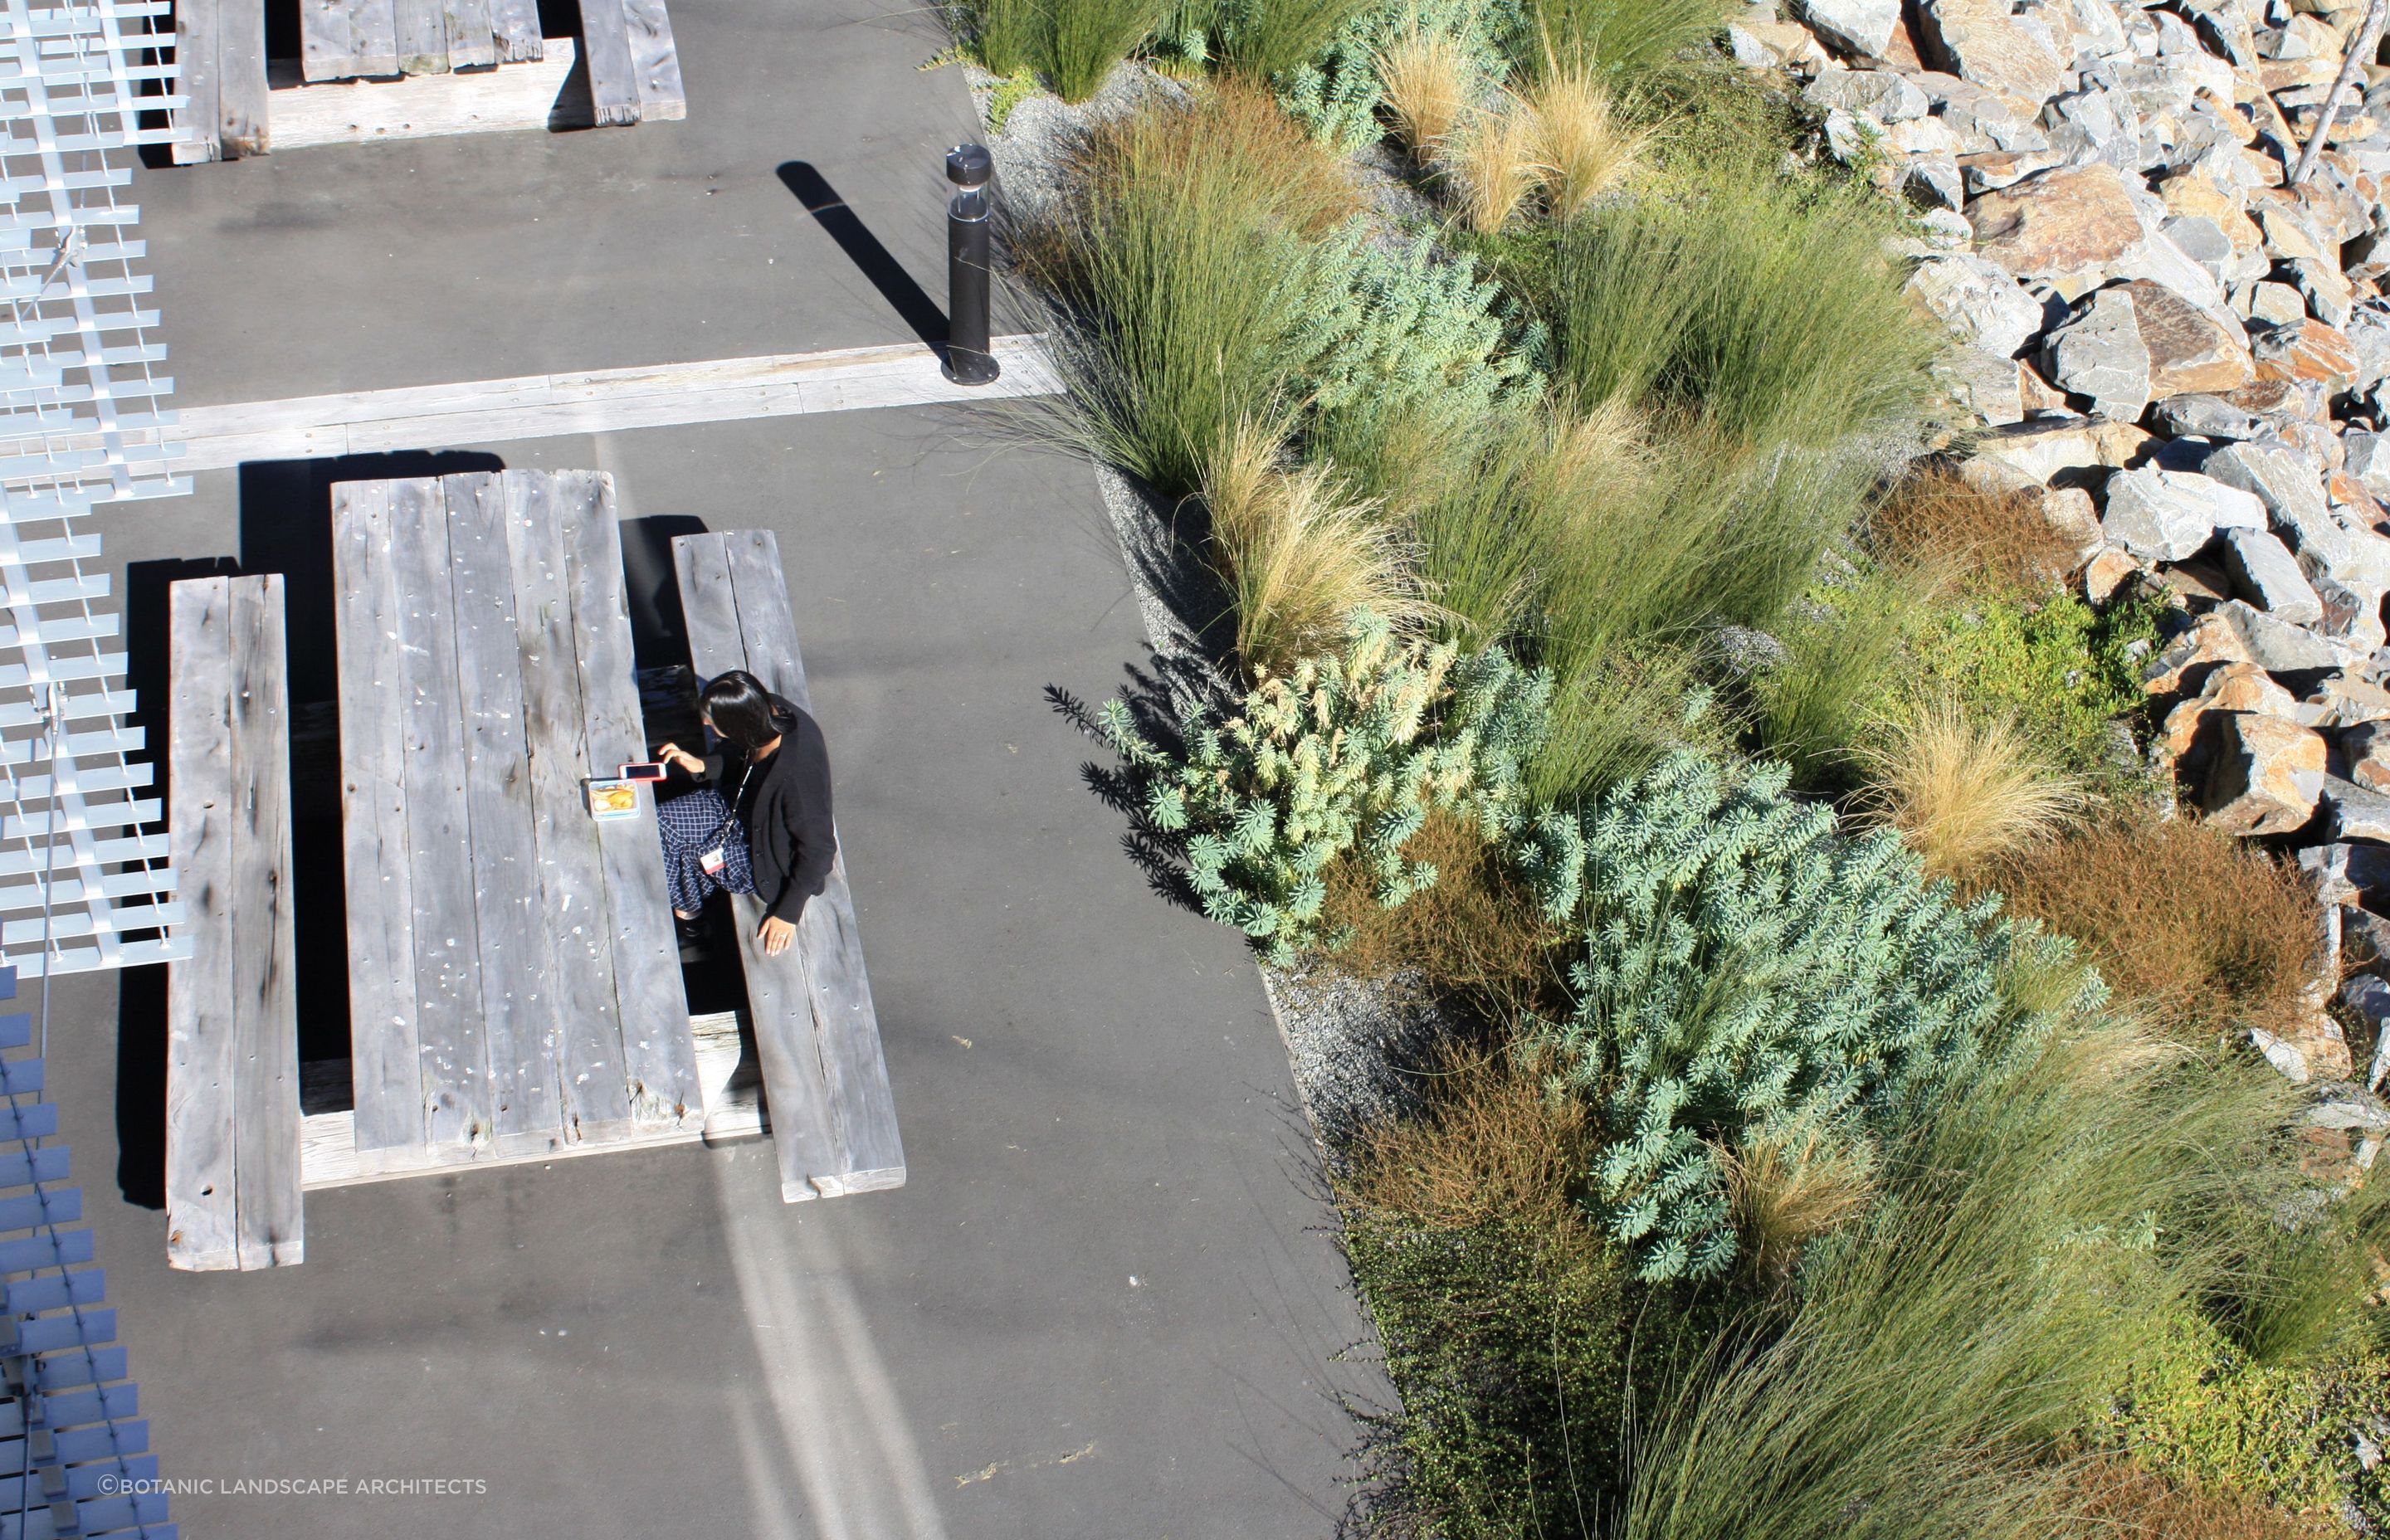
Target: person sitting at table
(769,833)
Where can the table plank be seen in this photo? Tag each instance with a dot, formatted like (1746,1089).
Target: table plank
(200,1192)
(804,1126)
(829,939)
(658,1053)
(471,45)
(265,1157)
(326,43)
(655,64)
(594,1099)
(511,925)
(197,73)
(373,30)
(422,37)
(385,1053)
(606,53)
(242,126)
(514,28)
(450,1024)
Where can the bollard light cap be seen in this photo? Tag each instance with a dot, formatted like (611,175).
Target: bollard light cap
(969,166)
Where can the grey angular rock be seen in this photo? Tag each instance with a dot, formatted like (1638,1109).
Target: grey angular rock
(1884,95)
(1947,230)
(2275,304)
(1853,26)
(2349,1108)
(2099,354)
(2094,125)
(2268,575)
(2351,812)
(2369,459)
(2286,481)
(2279,647)
(1934,182)
(2203,242)
(2171,515)
(2327,868)
(2352,612)
(1984,383)
(1977,298)
(2365,749)
(2205,417)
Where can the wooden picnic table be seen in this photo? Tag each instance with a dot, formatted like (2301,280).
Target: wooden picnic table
(514,978)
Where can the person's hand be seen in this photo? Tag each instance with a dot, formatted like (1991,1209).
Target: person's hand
(777,933)
(673,753)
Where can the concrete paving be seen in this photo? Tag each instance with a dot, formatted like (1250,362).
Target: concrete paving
(1108,1302)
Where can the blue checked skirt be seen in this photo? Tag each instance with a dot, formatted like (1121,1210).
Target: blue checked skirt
(690,824)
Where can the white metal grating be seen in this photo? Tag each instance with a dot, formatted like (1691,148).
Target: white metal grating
(84,878)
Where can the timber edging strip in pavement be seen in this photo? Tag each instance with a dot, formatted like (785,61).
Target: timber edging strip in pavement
(600,401)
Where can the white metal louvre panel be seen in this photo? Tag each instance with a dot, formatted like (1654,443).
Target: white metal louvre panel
(84,878)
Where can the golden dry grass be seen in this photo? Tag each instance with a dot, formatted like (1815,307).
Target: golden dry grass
(1577,140)
(1299,553)
(1234,129)
(2112,1498)
(1427,78)
(1493,1143)
(1991,541)
(2206,931)
(1963,790)
(1788,1185)
(1491,163)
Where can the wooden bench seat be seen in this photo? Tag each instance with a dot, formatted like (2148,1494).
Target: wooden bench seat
(238,104)
(825,1080)
(232,1072)
(349,39)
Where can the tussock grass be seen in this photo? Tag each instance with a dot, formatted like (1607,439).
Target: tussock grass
(1490,163)
(2112,1498)
(1493,1142)
(1624,38)
(1299,553)
(1270,37)
(1172,272)
(1767,308)
(1990,541)
(1790,1183)
(2031,1239)
(1579,141)
(1818,707)
(1473,935)
(1964,789)
(1428,80)
(1074,44)
(2207,932)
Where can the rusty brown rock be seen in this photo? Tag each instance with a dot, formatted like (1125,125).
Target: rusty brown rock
(2211,639)
(1980,41)
(2314,351)
(2057,224)
(2190,735)
(2266,775)
(2189,349)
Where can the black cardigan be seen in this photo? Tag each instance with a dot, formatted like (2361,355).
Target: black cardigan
(786,808)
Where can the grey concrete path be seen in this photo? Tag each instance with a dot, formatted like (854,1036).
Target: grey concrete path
(1106,1303)
(410,263)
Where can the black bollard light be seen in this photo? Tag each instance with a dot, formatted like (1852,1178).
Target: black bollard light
(967,360)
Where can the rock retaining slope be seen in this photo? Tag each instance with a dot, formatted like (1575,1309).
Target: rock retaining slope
(2185,356)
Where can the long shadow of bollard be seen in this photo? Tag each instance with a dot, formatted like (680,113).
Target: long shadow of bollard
(887,275)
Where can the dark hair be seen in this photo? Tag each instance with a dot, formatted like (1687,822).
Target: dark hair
(743,711)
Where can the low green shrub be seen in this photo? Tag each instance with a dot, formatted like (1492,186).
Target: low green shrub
(1745,963)
(1348,753)
(2203,1409)
(2069,674)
